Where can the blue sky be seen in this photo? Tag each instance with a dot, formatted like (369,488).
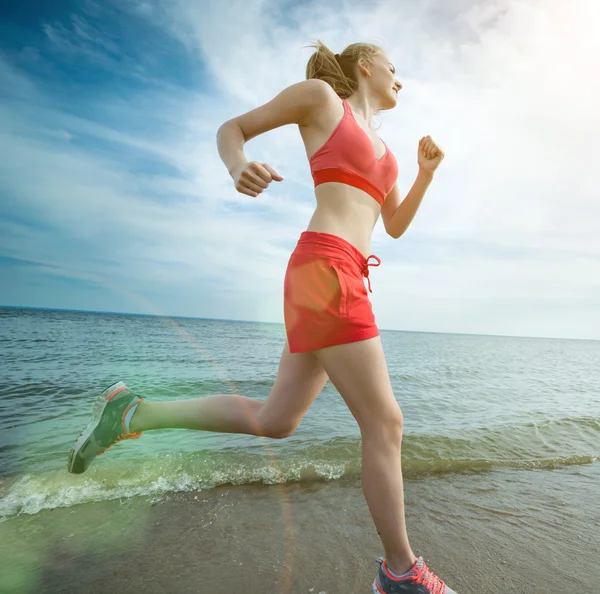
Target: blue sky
(113,197)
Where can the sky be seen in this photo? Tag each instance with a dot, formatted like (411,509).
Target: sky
(113,196)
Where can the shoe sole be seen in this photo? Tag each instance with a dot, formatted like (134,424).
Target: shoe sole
(101,401)
(376,589)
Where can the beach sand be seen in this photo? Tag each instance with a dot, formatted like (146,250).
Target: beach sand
(505,531)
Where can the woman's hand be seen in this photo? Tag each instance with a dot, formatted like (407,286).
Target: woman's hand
(430,155)
(252,178)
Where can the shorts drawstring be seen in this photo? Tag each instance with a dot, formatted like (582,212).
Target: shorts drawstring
(365,269)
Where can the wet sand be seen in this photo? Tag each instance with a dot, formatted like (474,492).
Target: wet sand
(506,531)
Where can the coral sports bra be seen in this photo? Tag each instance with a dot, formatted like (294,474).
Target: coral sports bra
(348,156)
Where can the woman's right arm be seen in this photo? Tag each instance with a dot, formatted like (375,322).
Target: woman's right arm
(296,104)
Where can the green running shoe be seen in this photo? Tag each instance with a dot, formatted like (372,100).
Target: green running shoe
(106,428)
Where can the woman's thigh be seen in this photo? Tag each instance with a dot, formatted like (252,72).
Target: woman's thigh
(359,372)
(299,381)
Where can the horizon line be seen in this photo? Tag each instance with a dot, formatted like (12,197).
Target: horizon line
(121,313)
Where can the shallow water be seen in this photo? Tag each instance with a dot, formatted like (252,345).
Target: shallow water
(470,403)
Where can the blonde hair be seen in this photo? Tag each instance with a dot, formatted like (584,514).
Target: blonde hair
(339,70)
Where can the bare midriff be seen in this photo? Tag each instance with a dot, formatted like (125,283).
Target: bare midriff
(347,212)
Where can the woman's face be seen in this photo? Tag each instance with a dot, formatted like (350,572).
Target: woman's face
(383,80)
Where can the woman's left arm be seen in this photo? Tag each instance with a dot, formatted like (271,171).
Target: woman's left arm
(398,214)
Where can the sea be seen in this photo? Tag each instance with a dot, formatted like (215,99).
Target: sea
(470,404)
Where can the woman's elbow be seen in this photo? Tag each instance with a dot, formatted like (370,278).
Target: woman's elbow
(395,233)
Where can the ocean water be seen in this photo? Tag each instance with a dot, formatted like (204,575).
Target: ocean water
(471,404)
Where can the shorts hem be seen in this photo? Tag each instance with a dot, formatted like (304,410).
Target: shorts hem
(355,336)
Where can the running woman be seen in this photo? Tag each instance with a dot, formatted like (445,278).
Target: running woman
(330,326)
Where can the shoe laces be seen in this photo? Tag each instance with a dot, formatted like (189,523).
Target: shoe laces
(431,581)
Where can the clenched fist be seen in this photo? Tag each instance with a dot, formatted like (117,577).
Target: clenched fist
(430,155)
(252,178)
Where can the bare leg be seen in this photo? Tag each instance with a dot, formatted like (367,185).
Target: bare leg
(222,413)
(299,381)
(359,372)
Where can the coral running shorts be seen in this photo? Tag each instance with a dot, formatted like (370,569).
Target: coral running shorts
(325,299)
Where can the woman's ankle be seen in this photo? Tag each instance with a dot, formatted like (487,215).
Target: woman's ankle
(134,421)
(401,564)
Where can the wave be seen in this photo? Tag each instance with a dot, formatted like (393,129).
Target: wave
(537,445)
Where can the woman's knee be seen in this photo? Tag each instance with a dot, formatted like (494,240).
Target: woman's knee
(276,428)
(384,426)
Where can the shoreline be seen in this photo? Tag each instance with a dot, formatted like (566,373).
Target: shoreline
(480,532)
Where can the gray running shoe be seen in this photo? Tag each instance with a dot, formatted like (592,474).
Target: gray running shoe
(105,429)
(420,580)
